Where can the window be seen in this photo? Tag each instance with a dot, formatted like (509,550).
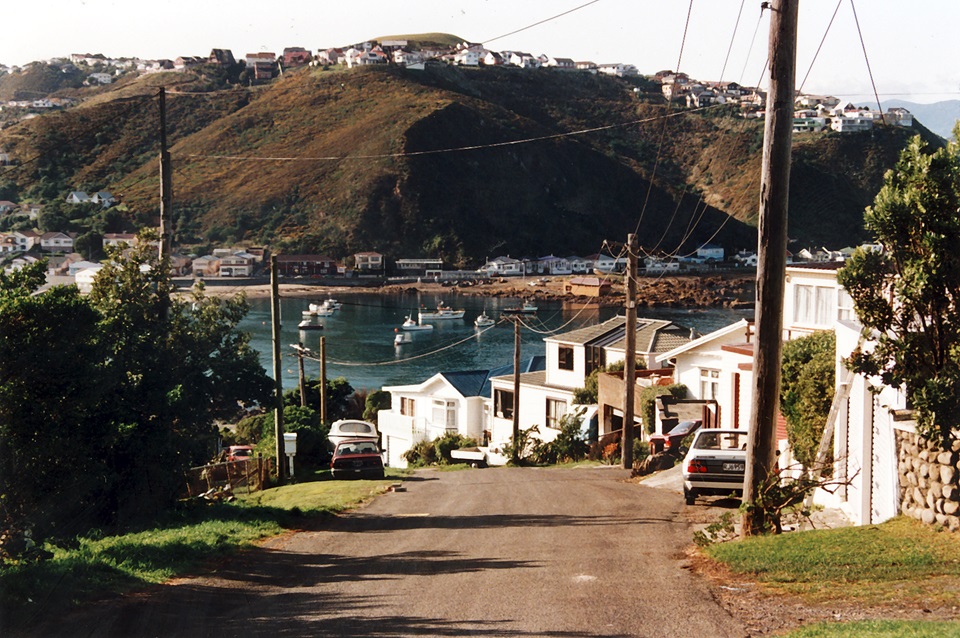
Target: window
(503,404)
(814,305)
(595,357)
(445,413)
(709,383)
(406,406)
(565,358)
(844,305)
(556,409)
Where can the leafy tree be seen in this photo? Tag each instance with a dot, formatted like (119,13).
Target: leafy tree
(175,366)
(806,391)
(339,392)
(906,296)
(376,401)
(90,245)
(54,218)
(53,437)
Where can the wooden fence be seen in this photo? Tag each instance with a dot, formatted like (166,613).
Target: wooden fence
(251,474)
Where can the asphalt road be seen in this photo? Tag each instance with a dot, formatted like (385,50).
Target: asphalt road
(493,552)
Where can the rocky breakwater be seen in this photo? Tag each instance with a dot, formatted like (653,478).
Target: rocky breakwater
(929,489)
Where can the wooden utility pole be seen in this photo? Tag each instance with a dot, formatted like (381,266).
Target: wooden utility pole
(301,377)
(277,370)
(515,457)
(771,262)
(166,182)
(323,379)
(630,357)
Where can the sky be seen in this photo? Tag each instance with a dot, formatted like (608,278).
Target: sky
(913,48)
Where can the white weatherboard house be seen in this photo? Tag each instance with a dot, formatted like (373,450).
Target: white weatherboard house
(720,366)
(447,402)
(546,396)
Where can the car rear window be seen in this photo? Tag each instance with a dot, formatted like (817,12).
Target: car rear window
(721,441)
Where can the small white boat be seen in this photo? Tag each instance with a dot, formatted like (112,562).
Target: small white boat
(442,312)
(483,321)
(333,303)
(411,326)
(306,324)
(319,310)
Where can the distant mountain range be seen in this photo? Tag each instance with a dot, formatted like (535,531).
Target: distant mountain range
(939,117)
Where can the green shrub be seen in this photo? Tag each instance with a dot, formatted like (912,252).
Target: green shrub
(437,451)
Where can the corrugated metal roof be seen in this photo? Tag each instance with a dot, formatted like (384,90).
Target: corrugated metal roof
(584,336)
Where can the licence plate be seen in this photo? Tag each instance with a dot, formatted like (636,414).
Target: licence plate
(733,467)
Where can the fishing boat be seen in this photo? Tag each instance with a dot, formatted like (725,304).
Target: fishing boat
(528,308)
(443,312)
(411,326)
(483,321)
(306,324)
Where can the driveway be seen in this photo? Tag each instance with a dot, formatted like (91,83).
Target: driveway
(492,552)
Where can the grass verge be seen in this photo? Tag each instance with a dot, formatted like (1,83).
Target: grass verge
(879,629)
(96,566)
(900,561)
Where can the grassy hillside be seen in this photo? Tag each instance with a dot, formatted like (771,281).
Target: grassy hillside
(428,163)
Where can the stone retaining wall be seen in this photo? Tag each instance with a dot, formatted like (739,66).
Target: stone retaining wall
(929,489)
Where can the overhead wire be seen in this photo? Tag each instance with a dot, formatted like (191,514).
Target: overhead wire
(691,226)
(663,130)
(455,149)
(820,46)
(866,58)
(539,22)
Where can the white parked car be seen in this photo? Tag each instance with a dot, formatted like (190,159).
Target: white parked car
(715,464)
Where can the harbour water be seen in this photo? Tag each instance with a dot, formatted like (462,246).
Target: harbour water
(360,336)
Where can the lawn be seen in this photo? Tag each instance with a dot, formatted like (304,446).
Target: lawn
(900,564)
(879,629)
(96,566)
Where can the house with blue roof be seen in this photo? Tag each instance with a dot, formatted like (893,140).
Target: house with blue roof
(447,402)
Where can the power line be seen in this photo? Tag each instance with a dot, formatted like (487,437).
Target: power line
(537,24)
(820,46)
(866,57)
(456,149)
(732,38)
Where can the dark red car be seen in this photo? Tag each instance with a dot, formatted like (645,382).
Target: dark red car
(357,458)
(670,442)
(239,453)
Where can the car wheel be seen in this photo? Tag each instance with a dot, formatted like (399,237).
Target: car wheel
(689,496)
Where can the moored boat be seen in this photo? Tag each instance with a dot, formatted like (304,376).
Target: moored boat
(410,325)
(483,321)
(442,312)
(319,310)
(528,308)
(306,324)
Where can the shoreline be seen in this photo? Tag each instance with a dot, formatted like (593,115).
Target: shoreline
(728,290)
